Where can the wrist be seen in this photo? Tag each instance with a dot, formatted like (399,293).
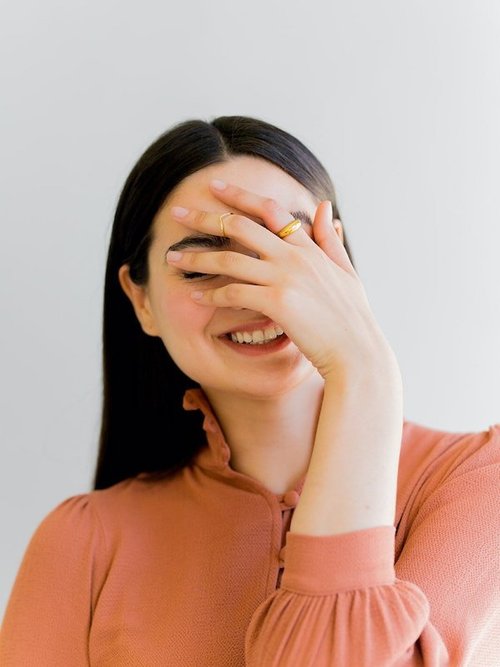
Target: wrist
(376,361)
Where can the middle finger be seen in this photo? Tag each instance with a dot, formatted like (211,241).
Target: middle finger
(274,216)
(251,234)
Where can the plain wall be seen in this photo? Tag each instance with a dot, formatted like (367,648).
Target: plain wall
(400,101)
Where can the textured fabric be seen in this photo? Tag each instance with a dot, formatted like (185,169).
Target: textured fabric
(199,570)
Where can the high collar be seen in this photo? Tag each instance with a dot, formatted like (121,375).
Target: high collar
(217,455)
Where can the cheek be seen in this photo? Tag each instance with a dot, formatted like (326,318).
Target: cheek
(183,326)
(181,318)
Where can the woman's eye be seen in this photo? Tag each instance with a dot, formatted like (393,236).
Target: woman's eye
(187,275)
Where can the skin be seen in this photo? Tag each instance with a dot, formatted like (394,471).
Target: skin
(292,406)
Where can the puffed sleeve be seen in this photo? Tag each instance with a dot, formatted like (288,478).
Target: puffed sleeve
(49,612)
(343,602)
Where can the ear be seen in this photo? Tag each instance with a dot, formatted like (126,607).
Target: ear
(339,229)
(140,301)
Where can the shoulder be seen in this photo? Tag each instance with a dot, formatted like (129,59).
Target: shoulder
(91,516)
(431,458)
(109,520)
(427,447)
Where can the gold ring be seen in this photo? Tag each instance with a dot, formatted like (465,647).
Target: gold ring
(289,229)
(221,223)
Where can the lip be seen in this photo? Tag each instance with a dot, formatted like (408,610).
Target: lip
(254,325)
(258,350)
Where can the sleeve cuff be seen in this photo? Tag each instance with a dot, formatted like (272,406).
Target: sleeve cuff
(325,565)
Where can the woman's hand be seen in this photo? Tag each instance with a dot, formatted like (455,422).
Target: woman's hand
(305,283)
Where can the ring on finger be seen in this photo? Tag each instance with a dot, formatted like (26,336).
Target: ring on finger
(290,228)
(221,223)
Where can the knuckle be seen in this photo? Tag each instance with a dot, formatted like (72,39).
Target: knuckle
(232,291)
(237,222)
(190,260)
(236,193)
(200,217)
(229,225)
(227,260)
(284,299)
(280,299)
(270,205)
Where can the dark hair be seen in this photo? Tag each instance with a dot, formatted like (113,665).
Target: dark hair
(144,427)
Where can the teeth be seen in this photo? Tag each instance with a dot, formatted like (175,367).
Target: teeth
(257,337)
(270,334)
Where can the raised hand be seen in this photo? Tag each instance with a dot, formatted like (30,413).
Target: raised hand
(305,282)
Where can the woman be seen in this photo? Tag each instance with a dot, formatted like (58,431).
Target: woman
(258,499)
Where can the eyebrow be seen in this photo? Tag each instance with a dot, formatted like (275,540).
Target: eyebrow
(213,241)
(303,216)
(200,241)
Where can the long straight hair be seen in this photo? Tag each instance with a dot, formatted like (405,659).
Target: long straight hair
(144,427)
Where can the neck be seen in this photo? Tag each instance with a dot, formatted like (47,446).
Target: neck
(271,438)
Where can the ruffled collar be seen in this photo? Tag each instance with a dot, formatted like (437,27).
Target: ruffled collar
(217,455)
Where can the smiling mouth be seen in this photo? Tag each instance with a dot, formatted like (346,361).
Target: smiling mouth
(257,337)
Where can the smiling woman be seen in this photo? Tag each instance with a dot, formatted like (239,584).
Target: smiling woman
(259,499)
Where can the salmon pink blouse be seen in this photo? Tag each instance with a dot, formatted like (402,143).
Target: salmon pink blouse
(200,570)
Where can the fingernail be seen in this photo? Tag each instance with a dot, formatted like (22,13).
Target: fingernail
(196,295)
(218,184)
(173,256)
(179,211)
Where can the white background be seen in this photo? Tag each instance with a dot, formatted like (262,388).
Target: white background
(399,100)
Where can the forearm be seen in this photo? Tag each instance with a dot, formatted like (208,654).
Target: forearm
(352,476)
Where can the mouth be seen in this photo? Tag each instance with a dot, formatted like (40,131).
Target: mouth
(257,336)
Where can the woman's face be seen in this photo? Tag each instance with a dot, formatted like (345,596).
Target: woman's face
(196,336)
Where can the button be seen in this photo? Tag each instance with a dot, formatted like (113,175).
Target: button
(291,498)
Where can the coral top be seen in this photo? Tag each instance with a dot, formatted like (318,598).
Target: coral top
(193,571)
